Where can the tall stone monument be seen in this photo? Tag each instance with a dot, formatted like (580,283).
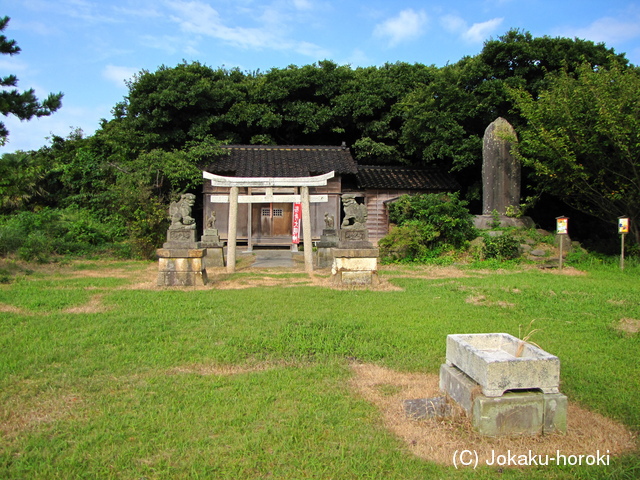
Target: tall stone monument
(501,174)
(181,258)
(500,169)
(355,261)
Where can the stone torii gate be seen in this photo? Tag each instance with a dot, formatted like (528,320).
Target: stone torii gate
(234,183)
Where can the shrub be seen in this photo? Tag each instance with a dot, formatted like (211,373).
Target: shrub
(445,213)
(427,225)
(406,242)
(38,235)
(502,247)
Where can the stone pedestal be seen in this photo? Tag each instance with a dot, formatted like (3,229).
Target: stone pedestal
(215,252)
(181,238)
(488,222)
(355,266)
(328,240)
(494,362)
(215,257)
(181,267)
(519,412)
(506,386)
(353,238)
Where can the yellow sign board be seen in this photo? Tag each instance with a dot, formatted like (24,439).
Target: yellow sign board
(562,225)
(623,225)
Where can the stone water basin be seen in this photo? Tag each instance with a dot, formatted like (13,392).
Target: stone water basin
(490,359)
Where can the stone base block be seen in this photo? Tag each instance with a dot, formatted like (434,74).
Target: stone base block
(487,222)
(460,387)
(215,257)
(528,412)
(182,279)
(355,266)
(515,413)
(324,257)
(181,267)
(355,278)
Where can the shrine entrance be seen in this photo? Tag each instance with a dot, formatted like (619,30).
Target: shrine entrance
(271,222)
(271,211)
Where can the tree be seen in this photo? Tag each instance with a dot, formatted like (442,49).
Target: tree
(24,105)
(445,120)
(583,140)
(20,175)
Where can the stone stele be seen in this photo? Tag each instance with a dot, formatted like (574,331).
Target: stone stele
(500,169)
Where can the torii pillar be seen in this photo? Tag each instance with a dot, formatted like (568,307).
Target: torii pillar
(268,182)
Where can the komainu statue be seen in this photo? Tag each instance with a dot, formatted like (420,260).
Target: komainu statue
(355,214)
(180,212)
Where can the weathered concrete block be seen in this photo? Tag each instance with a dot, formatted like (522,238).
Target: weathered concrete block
(324,257)
(181,267)
(357,278)
(180,264)
(490,359)
(215,257)
(460,387)
(182,279)
(369,264)
(555,413)
(515,413)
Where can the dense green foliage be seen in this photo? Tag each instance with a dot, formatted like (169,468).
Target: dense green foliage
(583,141)
(24,105)
(172,121)
(426,226)
(72,230)
(500,247)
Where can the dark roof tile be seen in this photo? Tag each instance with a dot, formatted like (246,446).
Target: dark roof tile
(404,178)
(283,161)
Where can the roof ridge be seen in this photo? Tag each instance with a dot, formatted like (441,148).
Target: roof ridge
(285,147)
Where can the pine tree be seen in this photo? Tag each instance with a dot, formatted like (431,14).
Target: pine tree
(24,105)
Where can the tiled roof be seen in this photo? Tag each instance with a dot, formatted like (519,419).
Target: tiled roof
(404,178)
(283,161)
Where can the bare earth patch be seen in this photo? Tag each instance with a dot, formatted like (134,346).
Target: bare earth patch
(4,308)
(438,440)
(223,370)
(94,305)
(19,416)
(630,326)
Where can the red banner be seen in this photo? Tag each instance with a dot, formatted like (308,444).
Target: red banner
(295,227)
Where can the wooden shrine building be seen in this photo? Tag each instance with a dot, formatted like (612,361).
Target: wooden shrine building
(265,205)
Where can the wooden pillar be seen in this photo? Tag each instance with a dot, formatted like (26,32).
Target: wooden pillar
(233,230)
(249,222)
(306,229)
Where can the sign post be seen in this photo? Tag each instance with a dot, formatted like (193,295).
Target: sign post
(623,229)
(562,228)
(295,227)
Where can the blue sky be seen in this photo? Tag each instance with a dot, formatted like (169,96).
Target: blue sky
(88,48)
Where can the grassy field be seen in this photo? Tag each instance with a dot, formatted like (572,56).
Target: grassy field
(102,375)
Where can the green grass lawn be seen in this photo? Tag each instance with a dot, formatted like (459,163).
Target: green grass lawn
(254,382)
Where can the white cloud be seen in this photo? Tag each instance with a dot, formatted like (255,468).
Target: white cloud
(196,17)
(303,4)
(607,30)
(479,32)
(118,75)
(476,33)
(408,25)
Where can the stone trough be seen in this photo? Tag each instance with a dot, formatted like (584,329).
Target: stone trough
(491,360)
